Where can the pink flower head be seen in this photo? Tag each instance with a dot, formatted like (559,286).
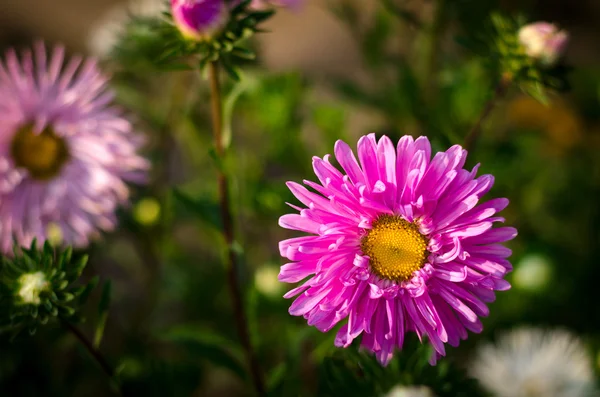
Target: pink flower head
(65,151)
(543,41)
(199,19)
(395,244)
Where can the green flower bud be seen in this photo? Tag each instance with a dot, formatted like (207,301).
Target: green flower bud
(37,285)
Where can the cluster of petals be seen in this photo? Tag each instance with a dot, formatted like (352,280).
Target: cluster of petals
(199,19)
(543,41)
(530,361)
(446,297)
(71,98)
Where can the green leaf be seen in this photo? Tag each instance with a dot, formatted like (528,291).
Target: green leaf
(243,53)
(276,376)
(228,105)
(208,345)
(84,292)
(260,16)
(230,68)
(375,39)
(103,308)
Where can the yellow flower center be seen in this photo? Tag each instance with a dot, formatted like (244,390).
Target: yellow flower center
(42,154)
(395,247)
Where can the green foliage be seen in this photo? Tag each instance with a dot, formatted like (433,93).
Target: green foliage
(36,285)
(157,43)
(499,45)
(202,344)
(352,372)
(102,313)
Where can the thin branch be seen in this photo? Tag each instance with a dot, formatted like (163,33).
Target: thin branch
(95,353)
(228,232)
(499,92)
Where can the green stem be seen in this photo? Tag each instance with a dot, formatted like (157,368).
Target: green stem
(95,353)
(232,264)
(475,132)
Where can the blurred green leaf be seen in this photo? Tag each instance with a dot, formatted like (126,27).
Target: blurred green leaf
(206,344)
(103,308)
(375,39)
(206,209)
(229,104)
(276,376)
(87,289)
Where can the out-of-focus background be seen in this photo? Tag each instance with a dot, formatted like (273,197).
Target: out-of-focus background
(317,80)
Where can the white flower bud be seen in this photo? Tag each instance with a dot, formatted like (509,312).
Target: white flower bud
(543,41)
(31,285)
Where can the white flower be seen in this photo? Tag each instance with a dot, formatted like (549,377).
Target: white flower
(410,391)
(30,287)
(543,41)
(530,362)
(104,34)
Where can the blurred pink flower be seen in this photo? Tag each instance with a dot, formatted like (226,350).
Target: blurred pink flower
(65,151)
(396,243)
(199,19)
(543,41)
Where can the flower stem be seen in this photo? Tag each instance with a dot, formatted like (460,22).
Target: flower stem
(95,353)
(232,264)
(499,92)
(429,67)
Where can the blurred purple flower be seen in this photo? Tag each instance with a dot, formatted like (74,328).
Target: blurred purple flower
(396,244)
(543,41)
(199,19)
(65,151)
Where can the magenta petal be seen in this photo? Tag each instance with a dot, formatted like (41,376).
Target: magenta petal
(466,262)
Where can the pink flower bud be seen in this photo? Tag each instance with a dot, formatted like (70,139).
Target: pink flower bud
(199,19)
(543,41)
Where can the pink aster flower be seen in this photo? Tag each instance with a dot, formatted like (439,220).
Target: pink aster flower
(396,244)
(65,151)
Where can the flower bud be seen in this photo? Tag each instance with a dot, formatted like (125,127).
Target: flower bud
(31,285)
(199,19)
(543,41)
(37,284)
